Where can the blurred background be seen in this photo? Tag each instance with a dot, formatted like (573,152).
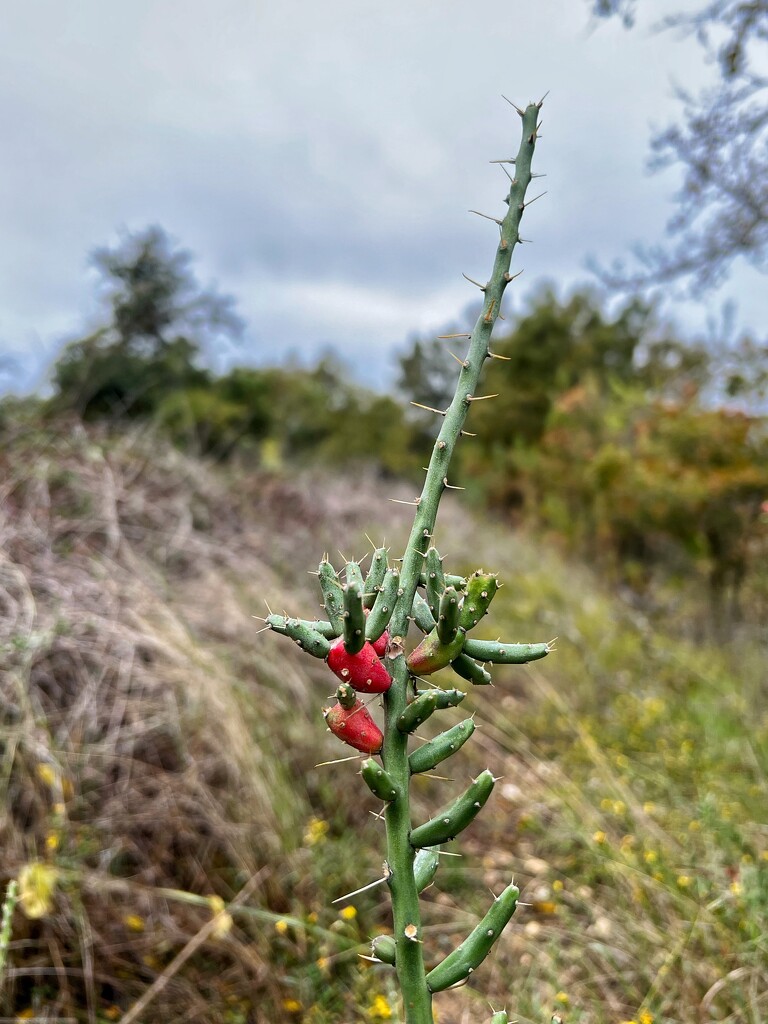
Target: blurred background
(231,238)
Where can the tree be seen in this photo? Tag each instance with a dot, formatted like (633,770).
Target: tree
(160,319)
(721,146)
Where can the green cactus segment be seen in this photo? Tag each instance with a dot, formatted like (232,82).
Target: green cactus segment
(500,1017)
(448,613)
(375,577)
(383,948)
(470,670)
(505,654)
(280,625)
(353,618)
(432,654)
(468,956)
(449,581)
(454,819)
(422,616)
(435,579)
(346,696)
(481,589)
(427,757)
(383,606)
(377,780)
(425,704)
(353,575)
(333,595)
(425,865)
(303,634)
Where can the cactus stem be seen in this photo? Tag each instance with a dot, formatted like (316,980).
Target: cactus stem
(364,888)
(477,284)
(487,216)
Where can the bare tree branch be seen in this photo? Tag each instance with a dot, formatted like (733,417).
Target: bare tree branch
(721,146)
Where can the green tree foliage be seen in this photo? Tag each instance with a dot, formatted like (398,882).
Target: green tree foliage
(160,318)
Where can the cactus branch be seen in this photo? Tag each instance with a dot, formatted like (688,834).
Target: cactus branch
(409,961)
(369,618)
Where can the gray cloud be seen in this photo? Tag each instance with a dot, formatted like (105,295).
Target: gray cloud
(319,159)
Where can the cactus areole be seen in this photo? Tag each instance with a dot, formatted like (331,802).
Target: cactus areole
(369,620)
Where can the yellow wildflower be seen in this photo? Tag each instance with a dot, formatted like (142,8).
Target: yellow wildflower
(316,831)
(650,856)
(281,927)
(52,841)
(46,774)
(599,837)
(37,884)
(292,1006)
(134,923)
(379,1009)
(348,913)
(684,881)
(645,1017)
(223,920)
(562,998)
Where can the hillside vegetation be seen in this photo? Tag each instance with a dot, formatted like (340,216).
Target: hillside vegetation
(179,841)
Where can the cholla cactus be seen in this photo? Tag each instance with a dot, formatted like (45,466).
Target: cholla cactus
(364,642)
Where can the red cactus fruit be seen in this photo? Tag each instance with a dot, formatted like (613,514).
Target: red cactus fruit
(355,726)
(363,671)
(380,645)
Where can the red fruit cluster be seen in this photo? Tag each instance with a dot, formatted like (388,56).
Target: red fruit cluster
(363,671)
(355,726)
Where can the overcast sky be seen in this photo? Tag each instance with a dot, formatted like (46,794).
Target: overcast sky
(319,159)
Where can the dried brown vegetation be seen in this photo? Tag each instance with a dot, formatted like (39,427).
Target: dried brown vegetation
(139,751)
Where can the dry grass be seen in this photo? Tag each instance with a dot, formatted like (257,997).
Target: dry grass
(140,754)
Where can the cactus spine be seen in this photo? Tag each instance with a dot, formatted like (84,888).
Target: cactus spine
(360,611)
